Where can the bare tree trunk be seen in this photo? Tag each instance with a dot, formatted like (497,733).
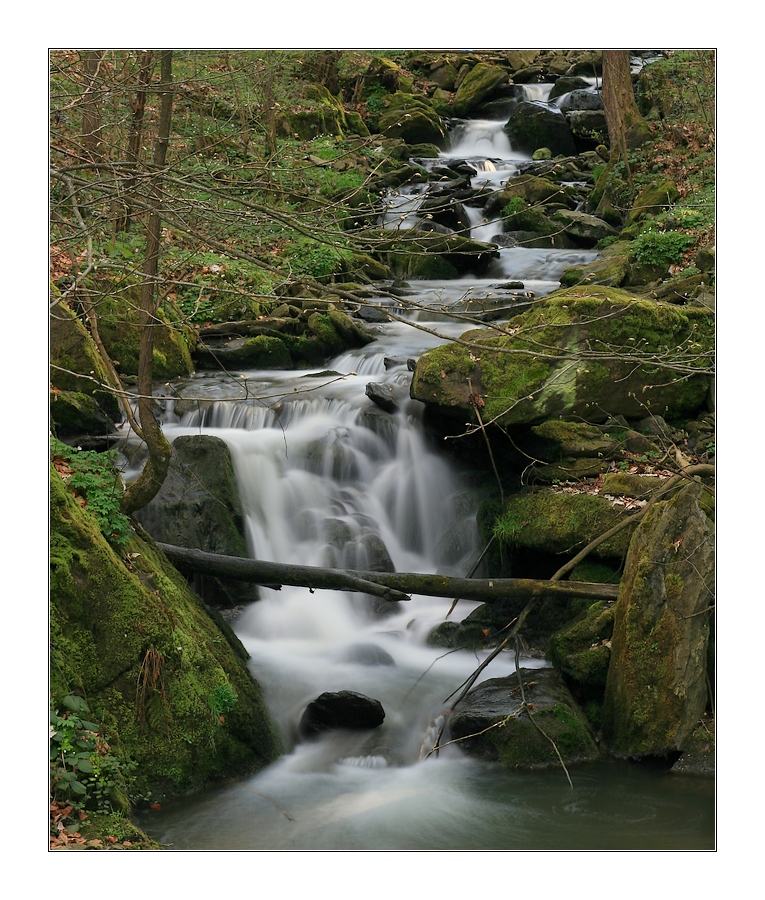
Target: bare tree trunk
(91,106)
(626,127)
(148,483)
(137,107)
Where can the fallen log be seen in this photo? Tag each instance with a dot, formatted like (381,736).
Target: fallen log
(390,586)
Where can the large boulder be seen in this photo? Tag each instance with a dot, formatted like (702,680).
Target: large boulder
(543,366)
(551,520)
(477,86)
(533,125)
(585,229)
(172,688)
(530,188)
(494,723)
(413,120)
(198,507)
(657,691)
(430,255)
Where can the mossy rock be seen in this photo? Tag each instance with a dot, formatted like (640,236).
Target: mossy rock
(623,484)
(76,414)
(652,200)
(587,230)
(656,691)
(568,469)
(199,507)
(514,381)
(562,438)
(355,123)
(491,724)
(76,365)
(477,86)
(430,255)
(120,331)
(532,189)
(128,634)
(611,269)
(413,119)
(582,650)
(551,521)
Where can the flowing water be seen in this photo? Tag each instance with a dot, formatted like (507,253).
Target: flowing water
(328,479)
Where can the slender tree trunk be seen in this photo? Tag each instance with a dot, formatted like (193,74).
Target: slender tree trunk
(148,483)
(137,107)
(91,106)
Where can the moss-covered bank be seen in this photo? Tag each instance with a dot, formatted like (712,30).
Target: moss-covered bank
(129,636)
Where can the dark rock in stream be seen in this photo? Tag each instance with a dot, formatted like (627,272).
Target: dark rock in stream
(518,743)
(386,396)
(340,710)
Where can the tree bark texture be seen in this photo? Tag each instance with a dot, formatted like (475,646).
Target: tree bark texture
(626,127)
(92,143)
(389,585)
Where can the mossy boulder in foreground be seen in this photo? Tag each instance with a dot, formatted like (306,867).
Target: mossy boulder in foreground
(656,691)
(129,636)
(589,352)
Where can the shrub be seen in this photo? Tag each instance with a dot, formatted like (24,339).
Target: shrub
(659,248)
(93,479)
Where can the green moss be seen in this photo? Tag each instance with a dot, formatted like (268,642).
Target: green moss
(128,634)
(120,330)
(554,522)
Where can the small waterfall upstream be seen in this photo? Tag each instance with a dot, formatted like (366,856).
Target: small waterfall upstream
(329,479)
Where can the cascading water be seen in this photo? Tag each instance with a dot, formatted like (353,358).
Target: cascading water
(329,479)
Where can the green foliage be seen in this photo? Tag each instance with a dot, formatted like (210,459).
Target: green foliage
(659,248)
(83,771)
(375,96)
(223,699)
(320,261)
(94,479)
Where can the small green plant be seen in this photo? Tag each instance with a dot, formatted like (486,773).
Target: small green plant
(93,478)
(507,528)
(661,248)
(83,771)
(223,699)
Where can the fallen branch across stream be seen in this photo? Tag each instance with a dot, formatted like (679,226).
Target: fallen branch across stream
(390,586)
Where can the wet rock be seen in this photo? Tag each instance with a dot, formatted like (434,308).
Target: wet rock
(518,743)
(340,710)
(532,125)
(199,507)
(384,396)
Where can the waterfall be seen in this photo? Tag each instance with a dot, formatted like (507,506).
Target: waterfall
(327,478)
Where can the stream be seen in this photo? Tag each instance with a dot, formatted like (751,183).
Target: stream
(329,479)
